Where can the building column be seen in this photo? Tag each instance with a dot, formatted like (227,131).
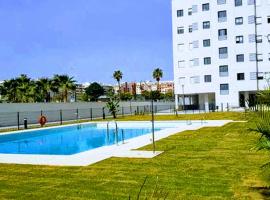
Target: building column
(176,102)
(246,94)
(206,102)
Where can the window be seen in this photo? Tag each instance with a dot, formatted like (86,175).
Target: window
(181,47)
(194,79)
(181,64)
(206,25)
(240,58)
(239,20)
(224,89)
(259,38)
(251,38)
(206,43)
(194,62)
(190,29)
(180,13)
(253,75)
(220,2)
(205,7)
(258,20)
(223,52)
(251,2)
(195,44)
(195,26)
(207,60)
(190,11)
(268,19)
(269,56)
(194,8)
(240,76)
(207,78)
(223,71)
(222,34)
(180,30)
(239,39)
(222,16)
(259,57)
(251,19)
(252,57)
(238,3)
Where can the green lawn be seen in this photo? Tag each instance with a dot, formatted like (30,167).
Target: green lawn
(210,163)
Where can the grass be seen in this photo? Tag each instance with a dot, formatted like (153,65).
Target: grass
(210,163)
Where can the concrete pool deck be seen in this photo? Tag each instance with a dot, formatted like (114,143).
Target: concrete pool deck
(121,150)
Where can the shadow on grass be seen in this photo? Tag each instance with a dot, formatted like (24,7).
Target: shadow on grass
(263,190)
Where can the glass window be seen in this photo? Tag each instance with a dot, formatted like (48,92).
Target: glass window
(206,25)
(222,16)
(222,34)
(207,60)
(207,78)
(190,11)
(205,7)
(224,89)
(223,71)
(181,64)
(251,2)
(180,30)
(190,28)
(223,52)
(180,13)
(220,2)
(194,8)
(240,76)
(251,19)
(206,43)
(240,58)
(268,19)
(239,20)
(239,39)
(238,2)
(195,79)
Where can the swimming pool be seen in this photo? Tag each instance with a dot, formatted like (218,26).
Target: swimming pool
(68,140)
(88,143)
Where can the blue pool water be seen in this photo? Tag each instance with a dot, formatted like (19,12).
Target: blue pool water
(65,140)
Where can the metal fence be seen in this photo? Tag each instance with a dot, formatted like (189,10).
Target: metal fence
(17,119)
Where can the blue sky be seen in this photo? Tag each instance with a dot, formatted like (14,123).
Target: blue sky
(87,39)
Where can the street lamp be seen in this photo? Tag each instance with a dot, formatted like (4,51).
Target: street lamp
(153,118)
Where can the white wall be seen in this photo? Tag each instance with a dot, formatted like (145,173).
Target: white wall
(246,48)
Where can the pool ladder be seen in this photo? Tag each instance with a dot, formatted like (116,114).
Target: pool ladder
(116,132)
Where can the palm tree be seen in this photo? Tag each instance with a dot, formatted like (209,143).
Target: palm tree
(45,86)
(63,84)
(23,88)
(10,90)
(158,74)
(118,75)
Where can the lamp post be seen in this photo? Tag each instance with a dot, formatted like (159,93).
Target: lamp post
(152,118)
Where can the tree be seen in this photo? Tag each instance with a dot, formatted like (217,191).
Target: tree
(125,96)
(113,103)
(94,91)
(118,75)
(44,86)
(63,84)
(158,74)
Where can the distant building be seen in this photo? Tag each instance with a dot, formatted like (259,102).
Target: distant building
(137,88)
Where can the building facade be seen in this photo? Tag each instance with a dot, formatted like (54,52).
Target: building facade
(221,51)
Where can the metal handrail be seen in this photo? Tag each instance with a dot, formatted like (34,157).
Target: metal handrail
(116,131)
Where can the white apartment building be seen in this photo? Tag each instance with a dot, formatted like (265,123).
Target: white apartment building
(221,51)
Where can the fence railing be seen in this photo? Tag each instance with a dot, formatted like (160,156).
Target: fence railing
(17,119)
